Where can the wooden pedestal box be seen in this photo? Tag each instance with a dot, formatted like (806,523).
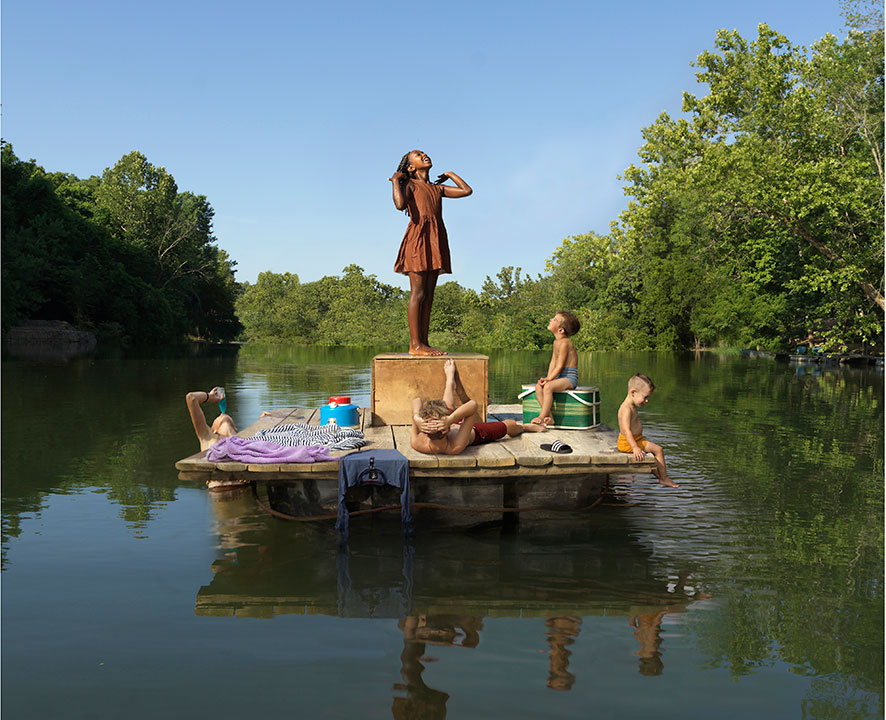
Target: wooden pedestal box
(399,377)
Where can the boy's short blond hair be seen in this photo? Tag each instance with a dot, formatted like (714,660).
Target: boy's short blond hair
(639,381)
(433,410)
(569,322)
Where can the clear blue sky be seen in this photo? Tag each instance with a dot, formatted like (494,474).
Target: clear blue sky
(290,116)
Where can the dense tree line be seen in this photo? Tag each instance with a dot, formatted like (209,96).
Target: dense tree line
(756,219)
(125,254)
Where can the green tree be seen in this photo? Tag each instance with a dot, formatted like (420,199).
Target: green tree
(59,266)
(773,188)
(274,308)
(363,311)
(63,261)
(140,206)
(354,309)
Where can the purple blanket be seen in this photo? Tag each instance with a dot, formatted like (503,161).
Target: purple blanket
(260,451)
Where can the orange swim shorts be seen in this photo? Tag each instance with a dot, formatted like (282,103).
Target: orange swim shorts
(623,445)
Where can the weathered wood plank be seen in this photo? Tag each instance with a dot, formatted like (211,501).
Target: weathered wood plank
(457,461)
(494,454)
(416,459)
(324,467)
(580,454)
(378,436)
(198,476)
(299,467)
(506,412)
(529,454)
(277,417)
(195,462)
(263,467)
(526,454)
(231,466)
(511,472)
(305,416)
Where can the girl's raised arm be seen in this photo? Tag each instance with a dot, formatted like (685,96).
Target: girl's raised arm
(463,189)
(400,195)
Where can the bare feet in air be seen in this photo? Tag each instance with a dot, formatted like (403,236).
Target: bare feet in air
(449,368)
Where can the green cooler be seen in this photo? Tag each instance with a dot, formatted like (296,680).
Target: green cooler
(577,409)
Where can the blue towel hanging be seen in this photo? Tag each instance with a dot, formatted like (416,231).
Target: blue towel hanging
(373,467)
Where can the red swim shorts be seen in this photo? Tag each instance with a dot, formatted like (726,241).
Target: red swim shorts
(488,431)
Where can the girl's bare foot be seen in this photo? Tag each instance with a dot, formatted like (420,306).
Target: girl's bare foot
(425,350)
(547,420)
(449,368)
(536,421)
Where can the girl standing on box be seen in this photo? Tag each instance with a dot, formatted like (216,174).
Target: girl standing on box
(424,252)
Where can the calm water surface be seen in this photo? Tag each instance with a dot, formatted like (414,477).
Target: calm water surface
(755,590)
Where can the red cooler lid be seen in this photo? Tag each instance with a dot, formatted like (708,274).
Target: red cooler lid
(340,399)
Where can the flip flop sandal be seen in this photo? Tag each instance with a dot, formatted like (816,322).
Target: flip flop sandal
(558,446)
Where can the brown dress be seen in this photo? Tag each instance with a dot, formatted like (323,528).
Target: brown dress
(425,245)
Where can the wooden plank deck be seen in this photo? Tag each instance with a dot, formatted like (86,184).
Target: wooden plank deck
(594,451)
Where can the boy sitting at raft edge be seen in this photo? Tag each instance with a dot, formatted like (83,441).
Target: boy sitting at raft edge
(432,422)
(222,427)
(563,370)
(630,437)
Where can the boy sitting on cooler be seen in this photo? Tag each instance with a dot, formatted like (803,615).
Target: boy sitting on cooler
(563,370)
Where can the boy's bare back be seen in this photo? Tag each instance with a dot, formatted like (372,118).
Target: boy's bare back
(443,445)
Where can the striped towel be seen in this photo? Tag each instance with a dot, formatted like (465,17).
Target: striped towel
(330,436)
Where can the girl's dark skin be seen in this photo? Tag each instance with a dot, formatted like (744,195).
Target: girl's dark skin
(423,284)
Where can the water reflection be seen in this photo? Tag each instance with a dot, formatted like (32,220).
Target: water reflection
(439,590)
(420,701)
(562,633)
(780,517)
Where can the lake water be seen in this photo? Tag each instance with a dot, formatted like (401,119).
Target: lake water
(755,590)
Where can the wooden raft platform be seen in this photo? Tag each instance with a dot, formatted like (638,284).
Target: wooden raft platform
(594,452)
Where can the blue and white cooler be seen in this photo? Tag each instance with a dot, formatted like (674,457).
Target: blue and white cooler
(340,412)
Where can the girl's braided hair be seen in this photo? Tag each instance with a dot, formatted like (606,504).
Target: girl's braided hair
(403,168)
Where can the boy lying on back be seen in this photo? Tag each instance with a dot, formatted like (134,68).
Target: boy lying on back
(435,424)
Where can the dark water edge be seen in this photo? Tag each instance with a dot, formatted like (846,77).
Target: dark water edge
(756,589)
